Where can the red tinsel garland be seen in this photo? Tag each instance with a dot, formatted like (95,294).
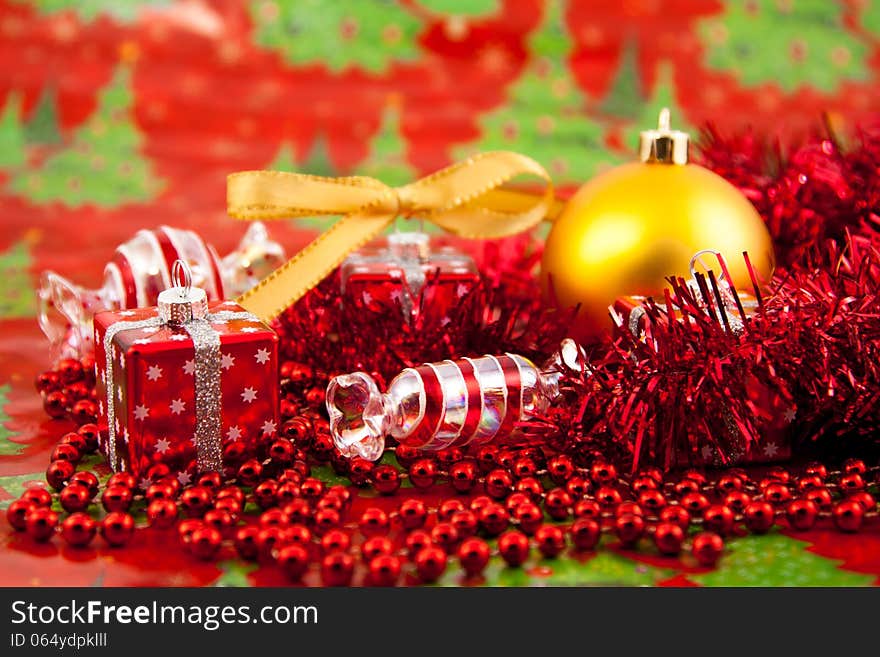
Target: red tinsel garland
(812,350)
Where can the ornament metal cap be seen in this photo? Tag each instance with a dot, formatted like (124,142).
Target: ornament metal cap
(663,145)
(183,302)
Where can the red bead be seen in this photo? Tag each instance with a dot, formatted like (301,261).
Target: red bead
(696,476)
(311,488)
(737,500)
(196,500)
(719,519)
(76,440)
(376,546)
(865,500)
(506,459)
(817,469)
(473,554)
(685,487)
(265,492)
(587,509)
(84,411)
(577,487)
(448,457)
(386,480)
(412,513)
(449,508)
(642,484)
(516,499)
(78,529)
(335,540)
(528,517)
(854,466)
(416,541)
(274,518)
(37,496)
(652,500)
(560,468)
(524,467)
(810,482)
(608,496)
(69,370)
(58,473)
(16,514)
(374,522)
(161,491)
(499,483)
(229,505)
(384,570)
(493,519)
(286,493)
(219,519)
(677,515)
(117,528)
(851,483)
(281,451)
(780,474)
(759,517)
(801,514)
(445,535)
(210,480)
(40,523)
(550,540)
(487,457)
(230,491)
(87,479)
(821,497)
(668,537)
(186,527)
(246,542)
(707,548)
(55,404)
(48,382)
(74,497)
(337,569)
(65,452)
(465,523)
(322,447)
(162,513)
(603,474)
(628,507)
(430,563)
(531,487)
(326,519)
(156,472)
(463,476)
(116,498)
(777,493)
(629,528)
(235,452)
(558,503)
(360,471)
(249,472)
(423,473)
(299,511)
(479,502)
(205,542)
(585,533)
(406,455)
(294,561)
(695,503)
(269,538)
(848,516)
(513,547)
(729,483)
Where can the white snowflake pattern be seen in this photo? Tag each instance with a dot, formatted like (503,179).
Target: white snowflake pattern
(233,433)
(100,408)
(790,414)
(189,367)
(462,289)
(150,330)
(142,341)
(268,427)
(368,298)
(141,412)
(145,483)
(707,452)
(262,356)
(396,295)
(227,361)
(184,478)
(125,435)
(249,395)
(119,393)
(177,406)
(126,313)
(771,450)
(251,329)
(229,303)
(162,445)
(154,372)
(179,337)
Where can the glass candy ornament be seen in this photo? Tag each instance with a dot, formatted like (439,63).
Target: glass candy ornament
(469,401)
(397,273)
(139,270)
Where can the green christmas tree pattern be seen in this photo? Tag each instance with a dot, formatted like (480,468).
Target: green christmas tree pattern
(367,34)
(625,96)
(387,161)
(16,286)
(103,164)
(42,126)
(792,43)
(125,11)
(649,111)
(12,137)
(545,116)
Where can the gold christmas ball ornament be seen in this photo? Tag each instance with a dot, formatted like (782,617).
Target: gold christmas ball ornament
(628,229)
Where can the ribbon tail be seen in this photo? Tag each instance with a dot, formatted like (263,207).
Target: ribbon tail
(287,284)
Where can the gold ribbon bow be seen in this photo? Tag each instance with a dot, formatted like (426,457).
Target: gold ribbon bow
(466,198)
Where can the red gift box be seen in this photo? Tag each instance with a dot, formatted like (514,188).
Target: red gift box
(176,394)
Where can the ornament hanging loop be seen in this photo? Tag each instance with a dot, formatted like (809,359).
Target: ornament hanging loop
(697,259)
(183,302)
(181,277)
